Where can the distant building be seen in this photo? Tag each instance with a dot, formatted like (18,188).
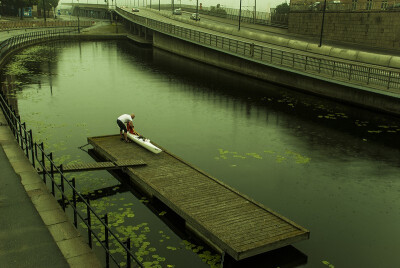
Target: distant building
(345,5)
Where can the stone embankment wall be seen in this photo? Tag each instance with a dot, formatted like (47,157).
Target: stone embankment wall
(373,28)
(308,83)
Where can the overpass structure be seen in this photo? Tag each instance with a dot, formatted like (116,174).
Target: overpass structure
(362,78)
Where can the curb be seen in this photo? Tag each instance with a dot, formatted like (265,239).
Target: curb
(71,244)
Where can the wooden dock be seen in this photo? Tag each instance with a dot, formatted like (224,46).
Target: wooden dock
(222,216)
(102,165)
(79,167)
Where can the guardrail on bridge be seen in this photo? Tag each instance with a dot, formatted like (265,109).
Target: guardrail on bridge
(373,76)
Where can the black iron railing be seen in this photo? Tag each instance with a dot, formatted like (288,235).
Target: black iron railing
(24,24)
(18,41)
(40,159)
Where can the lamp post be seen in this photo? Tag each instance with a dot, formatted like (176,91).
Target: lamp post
(322,25)
(255,11)
(197,10)
(79,30)
(240,13)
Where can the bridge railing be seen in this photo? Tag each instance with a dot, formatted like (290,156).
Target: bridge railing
(25,39)
(353,6)
(8,25)
(362,74)
(36,154)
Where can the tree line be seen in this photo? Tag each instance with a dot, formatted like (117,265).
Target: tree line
(13,7)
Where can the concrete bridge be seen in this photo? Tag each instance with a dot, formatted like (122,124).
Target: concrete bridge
(364,78)
(368,77)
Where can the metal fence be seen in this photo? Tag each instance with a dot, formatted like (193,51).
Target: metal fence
(248,16)
(354,5)
(18,41)
(7,25)
(39,158)
(374,76)
(36,154)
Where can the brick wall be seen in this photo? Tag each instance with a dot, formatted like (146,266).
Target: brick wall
(377,29)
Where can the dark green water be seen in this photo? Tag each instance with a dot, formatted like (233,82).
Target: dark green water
(331,168)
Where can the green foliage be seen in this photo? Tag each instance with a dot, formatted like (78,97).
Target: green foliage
(49,4)
(283,8)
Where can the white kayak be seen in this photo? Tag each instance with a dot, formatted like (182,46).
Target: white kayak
(144,143)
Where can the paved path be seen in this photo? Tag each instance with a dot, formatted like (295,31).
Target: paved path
(34,231)
(25,240)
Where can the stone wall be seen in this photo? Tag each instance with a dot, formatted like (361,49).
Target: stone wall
(376,28)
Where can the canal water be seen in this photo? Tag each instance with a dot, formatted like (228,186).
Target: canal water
(329,167)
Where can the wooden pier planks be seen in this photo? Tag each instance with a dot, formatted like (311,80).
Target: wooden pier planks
(228,219)
(102,165)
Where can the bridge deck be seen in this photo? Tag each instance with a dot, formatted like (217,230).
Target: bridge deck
(226,218)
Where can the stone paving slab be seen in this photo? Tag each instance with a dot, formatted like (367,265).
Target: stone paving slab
(26,242)
(34,231)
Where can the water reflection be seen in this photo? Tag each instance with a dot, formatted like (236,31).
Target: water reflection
(326,124)
(9,86)
(329,167)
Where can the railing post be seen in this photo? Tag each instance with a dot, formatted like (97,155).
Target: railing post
(334,66)
(89,223)
(74,202)
(32,150)
(390,75)
(271,55)
(351,68)
(319,66)
(305,65)
(15,129)
(20,134)
(52,174)
(128,256)
(26,141)
(62,191)
(106,241)
(43,163)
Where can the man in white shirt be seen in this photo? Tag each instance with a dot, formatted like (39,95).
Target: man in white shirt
(121,121)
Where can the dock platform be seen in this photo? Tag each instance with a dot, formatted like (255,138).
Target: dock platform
(222,216)
(102,165)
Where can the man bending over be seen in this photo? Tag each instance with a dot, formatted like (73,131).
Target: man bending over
(121,121)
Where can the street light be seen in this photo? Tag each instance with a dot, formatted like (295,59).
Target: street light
(255,11)
(197,10)
(240,13)
(79,30)
(322,25)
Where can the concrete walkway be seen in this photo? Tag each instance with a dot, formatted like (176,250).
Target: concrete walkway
(34,231)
